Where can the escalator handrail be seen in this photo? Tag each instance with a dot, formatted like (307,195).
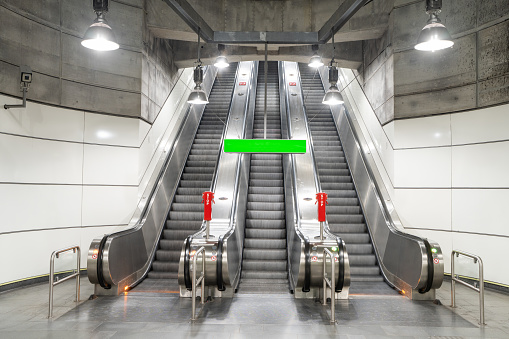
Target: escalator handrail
(341,258)
(385,210)
(231,228)
(141,220)
(187,261)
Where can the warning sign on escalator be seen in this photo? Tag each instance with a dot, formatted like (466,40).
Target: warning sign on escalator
(293,84)
(436,261)
(314,259)
(242,83)
(213,258)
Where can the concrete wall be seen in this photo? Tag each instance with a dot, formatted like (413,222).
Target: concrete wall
(446,176)
(68,176)
(132,81)
(402,82)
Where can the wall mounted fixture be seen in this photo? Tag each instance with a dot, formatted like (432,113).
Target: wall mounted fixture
(99,36)
(198,95)
(333,96)
(26,80)
(316,60)
(434,36)
(221,61)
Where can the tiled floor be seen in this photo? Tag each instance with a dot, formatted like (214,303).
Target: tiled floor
(23,314)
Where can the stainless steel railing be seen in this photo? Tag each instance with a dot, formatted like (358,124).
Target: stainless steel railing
(53,283)
(480,290)
(200,280)
(329,282)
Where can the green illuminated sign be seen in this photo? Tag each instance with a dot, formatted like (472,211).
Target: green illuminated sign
(264,146)
(434,250)
(334,249)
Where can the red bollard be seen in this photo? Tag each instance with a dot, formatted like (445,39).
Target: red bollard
(321,200)
(208,200)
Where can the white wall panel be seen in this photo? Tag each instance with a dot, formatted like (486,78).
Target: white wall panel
(108,205)
(423,132)
(33,257)
(27,207)
(110,165)
(390,132)
(41,121)
(424,208)
(110,130)
(483,165)
(483,125)
(30,160)
(427,168)
(491,250)
(480,211)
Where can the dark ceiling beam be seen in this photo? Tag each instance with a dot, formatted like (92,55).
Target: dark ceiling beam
(266,37)
(339,19)
(192,18)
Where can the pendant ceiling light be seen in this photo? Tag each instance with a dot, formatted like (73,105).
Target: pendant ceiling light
(434,36)
(99,36)
(198,95)
(333,96)
(316,60)
(221,61)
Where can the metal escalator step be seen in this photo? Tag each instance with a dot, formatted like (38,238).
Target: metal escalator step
(199,170)
(345,218)
(268,254)
(344,179)
(266,169)
(362,260)
(189,207)
(266,206)
(195,183)
(334,209)
(265,223)
(347,228)
(264,243)
(364,270)
(354,238)
(263,233)
(264,265)
(192,190)
(337,186)
(264,282)
(266,190)
(188,199)
(197,176)
(265,198)
(264,275)
(164,266)
(164,255)
(183,224)
(162,275)
(366,278)
(359,249)
(277,164)
(267,176)
(342,193)
(177,234)
(265,214)
(171,245)
(181,215)
(265,183)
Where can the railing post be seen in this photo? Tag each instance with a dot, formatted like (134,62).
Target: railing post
(479,290)
(52,283)
(201,279)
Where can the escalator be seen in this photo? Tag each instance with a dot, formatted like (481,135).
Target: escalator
(344,213)
(264,265)
(186,212)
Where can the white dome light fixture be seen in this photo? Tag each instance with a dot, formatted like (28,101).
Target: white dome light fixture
(99,36)
(434,36)
(316,60)
(221,61)
(198,95)
(333,97)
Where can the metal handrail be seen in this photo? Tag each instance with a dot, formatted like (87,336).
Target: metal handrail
(53,283)
(480,290)
(329,282)
(200,280)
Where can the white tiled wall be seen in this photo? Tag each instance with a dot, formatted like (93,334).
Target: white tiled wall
(67,177)
(447,176)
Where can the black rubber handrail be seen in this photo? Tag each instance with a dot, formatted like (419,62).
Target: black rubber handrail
(307,266)
(341,254)
(431,268)
(187,276)
(219,265)
(100,276)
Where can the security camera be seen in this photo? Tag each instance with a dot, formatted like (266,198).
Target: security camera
(26,74)
(26,77)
